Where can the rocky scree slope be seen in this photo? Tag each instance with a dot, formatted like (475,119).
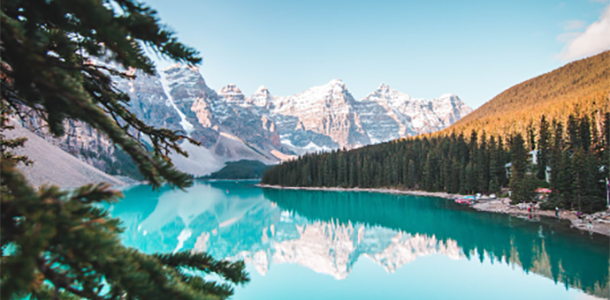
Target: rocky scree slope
(54,166)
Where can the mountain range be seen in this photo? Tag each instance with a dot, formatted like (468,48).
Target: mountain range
(264,127)
(269,128)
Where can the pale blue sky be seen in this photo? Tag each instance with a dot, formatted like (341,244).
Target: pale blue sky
(475,49)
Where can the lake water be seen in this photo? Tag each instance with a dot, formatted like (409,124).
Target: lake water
(357,245)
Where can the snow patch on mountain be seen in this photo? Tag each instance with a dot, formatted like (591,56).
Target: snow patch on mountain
(200,162)
(186,125)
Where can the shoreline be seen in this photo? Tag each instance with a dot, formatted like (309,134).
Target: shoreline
(370,190)
(210,179)
(497,205)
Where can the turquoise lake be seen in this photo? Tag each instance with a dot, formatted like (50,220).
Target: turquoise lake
(358,245)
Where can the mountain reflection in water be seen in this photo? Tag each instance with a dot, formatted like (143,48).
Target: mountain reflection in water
(328,232)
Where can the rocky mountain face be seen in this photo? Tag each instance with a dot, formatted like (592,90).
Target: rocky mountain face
(84,143)
(388,114)
(54,166)
(321,117)
(264,127)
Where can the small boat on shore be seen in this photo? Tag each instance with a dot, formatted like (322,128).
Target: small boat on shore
(465,200)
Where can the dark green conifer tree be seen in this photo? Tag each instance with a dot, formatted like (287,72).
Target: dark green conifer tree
(353,167)
(496,167)
(519,166)
(531,137)
(473,144)
(503,157)
(606,144)
(341,170)
(585,133)
(561,185)
(596,136)
(471,178)
(566,180)
(584,181)
(523,190)
(386,173)
(544,138)
(412,175)
(462,175)
(483,163)
(518,156)
(573,132)
(454,185)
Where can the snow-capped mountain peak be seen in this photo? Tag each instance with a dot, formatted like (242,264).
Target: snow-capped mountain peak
(336,85)
(383,87)
(337,81)
(232,94)
(385,95)
(449,95)
(263,91)
(261,97)
(333,90)
(230,89)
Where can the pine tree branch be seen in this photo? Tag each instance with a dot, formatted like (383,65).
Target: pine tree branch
(60,281)
(204,262)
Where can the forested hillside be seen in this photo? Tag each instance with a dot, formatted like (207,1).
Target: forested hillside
(243,169)
(571,139)
(581,88)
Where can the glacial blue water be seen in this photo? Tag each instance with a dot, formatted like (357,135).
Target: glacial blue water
(359,245)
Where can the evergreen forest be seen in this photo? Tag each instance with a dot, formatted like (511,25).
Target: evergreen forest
(243,169)
(573,157)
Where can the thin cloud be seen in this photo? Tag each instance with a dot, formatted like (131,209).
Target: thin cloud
(568,37)
(595,39)
(573,24)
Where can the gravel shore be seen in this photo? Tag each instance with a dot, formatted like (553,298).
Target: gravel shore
(600,221)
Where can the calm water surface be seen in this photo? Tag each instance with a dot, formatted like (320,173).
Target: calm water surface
(348,245)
